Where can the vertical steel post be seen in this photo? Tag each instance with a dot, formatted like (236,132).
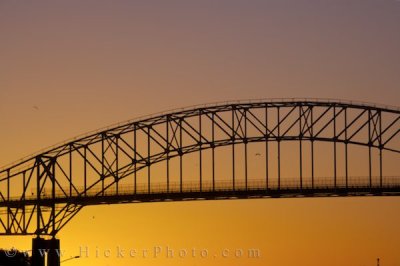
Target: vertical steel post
(53,194)
(312,147)
(8,199)
(233,147)
(167,151)
(245,150)
(85,168)
(380,151)
(135,157)
(102,163)
(148,159)
(213,149)
(334,148)
(70,170)
(38,190)
(300,147)
(117,164)
(369,149)
(266,149)
(180,155)
(23,199)
(346,149)
(200,153)
(279,148)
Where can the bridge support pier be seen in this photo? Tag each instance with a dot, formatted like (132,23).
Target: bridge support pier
(37,252)
(42,247)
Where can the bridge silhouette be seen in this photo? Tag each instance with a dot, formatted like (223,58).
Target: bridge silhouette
(220,151)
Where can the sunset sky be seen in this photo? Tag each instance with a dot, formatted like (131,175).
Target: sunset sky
(69,67)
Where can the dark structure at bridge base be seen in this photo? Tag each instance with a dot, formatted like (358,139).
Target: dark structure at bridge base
(42,248)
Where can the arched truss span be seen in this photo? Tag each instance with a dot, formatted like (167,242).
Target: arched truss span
(41,194)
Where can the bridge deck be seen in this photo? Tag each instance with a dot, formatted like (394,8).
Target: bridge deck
(208,191)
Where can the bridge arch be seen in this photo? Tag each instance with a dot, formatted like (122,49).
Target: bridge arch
(46,190)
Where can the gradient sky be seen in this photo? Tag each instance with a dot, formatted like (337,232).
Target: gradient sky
(68,67)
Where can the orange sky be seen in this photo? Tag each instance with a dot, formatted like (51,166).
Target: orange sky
(68,67)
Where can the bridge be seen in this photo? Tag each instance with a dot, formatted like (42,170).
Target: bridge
(231,150)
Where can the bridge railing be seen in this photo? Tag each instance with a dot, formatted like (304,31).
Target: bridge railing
(321,183)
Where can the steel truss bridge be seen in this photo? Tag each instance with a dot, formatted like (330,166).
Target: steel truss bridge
(220,151)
